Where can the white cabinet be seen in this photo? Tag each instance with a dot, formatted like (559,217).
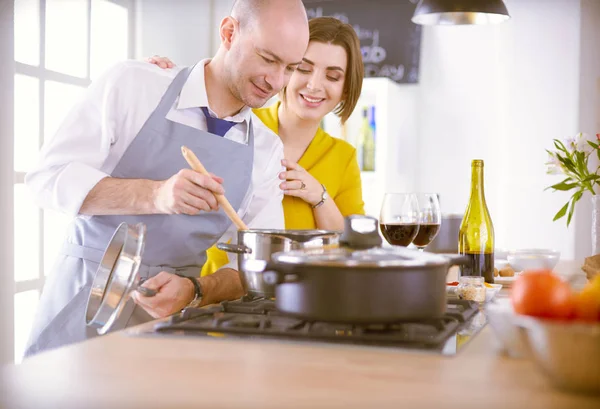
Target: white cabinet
(395,139)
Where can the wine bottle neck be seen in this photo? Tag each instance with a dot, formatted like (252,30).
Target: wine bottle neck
(477,182)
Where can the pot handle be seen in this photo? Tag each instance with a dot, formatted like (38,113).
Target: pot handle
(457,259)
(234,248)
(272,273)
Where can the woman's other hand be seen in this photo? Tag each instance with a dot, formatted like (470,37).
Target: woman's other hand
(299,183)
(162,62)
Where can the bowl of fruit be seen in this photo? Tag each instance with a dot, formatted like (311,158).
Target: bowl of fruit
(561,328)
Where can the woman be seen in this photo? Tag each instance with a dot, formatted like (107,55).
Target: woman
(322,178)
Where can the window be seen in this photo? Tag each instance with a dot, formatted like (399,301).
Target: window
(60,46)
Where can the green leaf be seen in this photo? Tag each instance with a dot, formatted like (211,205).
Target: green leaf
(564,186)
(574,199)
(561,212)
(568,163)
(562,150)
(571,209)
(582,162)
(564,181)
(560,146)
(593,145)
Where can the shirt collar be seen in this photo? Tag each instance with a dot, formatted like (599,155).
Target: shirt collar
(193,94)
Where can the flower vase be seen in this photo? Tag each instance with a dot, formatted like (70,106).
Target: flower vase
(595,224)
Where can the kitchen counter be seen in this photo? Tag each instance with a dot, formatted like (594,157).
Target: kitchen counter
(121,371)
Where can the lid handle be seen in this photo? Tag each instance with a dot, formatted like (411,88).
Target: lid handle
(360,232)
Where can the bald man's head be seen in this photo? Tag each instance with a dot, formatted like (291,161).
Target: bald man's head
(249,13)
(262,42)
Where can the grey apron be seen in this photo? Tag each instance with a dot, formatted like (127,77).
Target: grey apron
(174,243)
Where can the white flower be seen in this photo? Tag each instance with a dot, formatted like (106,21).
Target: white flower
(582,145)
(570,143)
(553,166)
(578,143)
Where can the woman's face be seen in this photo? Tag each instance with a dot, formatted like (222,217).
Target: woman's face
(317,85)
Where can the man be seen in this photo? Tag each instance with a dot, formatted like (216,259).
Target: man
(116,158)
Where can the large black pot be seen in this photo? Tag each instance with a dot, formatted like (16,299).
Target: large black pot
(359,283)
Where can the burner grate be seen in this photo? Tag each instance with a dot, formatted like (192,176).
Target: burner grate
(259,318)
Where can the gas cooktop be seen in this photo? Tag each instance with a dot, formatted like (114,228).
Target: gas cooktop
(258,318)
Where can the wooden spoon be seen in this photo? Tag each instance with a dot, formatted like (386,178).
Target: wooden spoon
(195,164)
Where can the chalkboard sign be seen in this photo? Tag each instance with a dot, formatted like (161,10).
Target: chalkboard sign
(390,42)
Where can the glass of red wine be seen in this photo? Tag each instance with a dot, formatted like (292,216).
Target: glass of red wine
(399,218)
(430,220)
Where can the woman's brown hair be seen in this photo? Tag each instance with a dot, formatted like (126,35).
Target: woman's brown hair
(329,30)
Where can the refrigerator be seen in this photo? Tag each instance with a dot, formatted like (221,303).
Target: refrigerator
(395,138)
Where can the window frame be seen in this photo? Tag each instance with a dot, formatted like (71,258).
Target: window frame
(8,285)
(7,291)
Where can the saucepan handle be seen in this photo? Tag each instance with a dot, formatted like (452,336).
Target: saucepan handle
(272,273)
(457,259)
(234,248)
(267,269)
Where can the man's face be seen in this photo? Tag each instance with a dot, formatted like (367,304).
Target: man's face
(262,60)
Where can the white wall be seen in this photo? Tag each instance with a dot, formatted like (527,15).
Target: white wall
(179,29)
(183,30)
(502,93)
(458,105)
(221,8)
(541,104)
(589,109)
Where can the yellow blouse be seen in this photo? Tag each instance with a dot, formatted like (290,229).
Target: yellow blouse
(332,161)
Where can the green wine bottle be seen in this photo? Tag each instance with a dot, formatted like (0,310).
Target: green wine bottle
(476,235)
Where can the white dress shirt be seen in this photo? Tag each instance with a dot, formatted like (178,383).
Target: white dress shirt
(95,134)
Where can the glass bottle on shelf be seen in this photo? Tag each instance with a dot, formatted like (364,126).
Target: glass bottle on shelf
(368,139)
(360,139)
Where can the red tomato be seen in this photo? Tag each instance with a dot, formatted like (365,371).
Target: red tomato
(542,294)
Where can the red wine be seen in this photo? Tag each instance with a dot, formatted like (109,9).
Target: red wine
(399,234)
(426,234)
(482,264)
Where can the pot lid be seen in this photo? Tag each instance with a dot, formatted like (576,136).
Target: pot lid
(300,236)
(115,276)
(367,258)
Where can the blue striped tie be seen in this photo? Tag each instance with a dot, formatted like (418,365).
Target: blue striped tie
(216,126)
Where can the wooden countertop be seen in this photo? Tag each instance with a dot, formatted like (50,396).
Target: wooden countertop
(121,371)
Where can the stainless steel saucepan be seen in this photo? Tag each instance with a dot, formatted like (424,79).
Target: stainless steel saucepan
(259,244)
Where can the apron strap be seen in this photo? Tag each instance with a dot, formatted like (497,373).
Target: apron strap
(169,97)
(86,253)
(145,271)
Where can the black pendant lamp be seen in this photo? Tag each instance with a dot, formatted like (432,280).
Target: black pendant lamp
(458,12)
